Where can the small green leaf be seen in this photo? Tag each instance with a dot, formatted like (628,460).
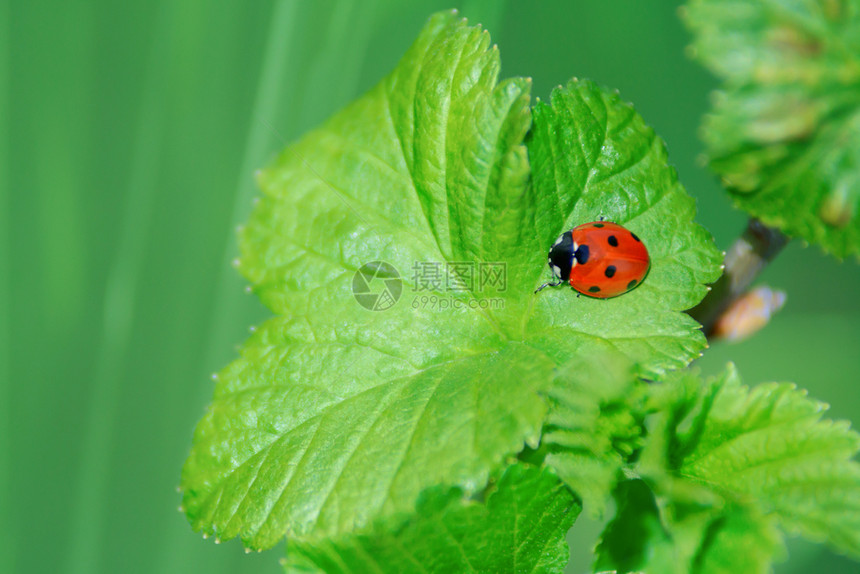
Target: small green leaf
(521,529)
(591,428)
(677,538)
(335,415)
(770,444)
(784,132)
(636,538)
(739,539)
(766,447)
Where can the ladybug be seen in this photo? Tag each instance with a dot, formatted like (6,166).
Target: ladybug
(599,259)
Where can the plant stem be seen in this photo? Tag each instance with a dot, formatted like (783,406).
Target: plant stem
(746,258)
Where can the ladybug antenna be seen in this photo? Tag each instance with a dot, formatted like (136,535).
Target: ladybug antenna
(556,284)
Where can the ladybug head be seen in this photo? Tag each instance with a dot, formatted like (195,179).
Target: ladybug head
(561,256)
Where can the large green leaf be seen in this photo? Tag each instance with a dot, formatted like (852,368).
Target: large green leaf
(336,415)
(521,529)
(784,132)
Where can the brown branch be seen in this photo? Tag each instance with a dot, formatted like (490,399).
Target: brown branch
(744,261)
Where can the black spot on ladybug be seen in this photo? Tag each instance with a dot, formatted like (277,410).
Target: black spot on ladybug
(582,254)
(631,285)
(610,271)
(598,225)
(612,241)
(633,235)
(594,289)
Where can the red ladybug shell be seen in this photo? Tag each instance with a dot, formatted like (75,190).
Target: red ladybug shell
(617,260)
(599,259)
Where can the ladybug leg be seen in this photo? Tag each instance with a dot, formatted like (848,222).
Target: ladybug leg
(578,295)
(602,218)
(555,284)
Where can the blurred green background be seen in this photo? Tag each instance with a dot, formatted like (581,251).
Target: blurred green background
(130,133)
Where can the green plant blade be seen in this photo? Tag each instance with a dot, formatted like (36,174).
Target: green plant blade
(521,529)
(409,173)
(337,415)
(783,132)
(593,156)
(765,451)
(591,428)
(770,443)
(291,452)
(675,537)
